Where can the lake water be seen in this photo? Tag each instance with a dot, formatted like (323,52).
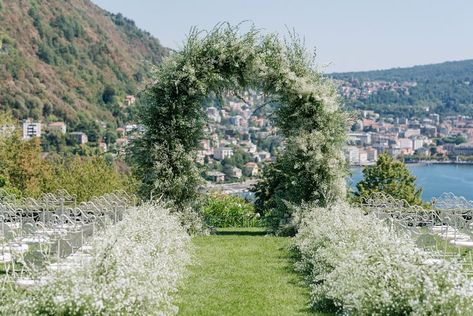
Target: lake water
(436,179)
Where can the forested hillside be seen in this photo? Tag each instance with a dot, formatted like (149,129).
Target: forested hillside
(445,88)
(70,60)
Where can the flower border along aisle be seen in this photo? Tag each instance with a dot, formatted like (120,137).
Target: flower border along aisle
(355,264)
(135,269)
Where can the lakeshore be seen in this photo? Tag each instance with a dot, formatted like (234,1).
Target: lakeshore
(425,162)
(435,178)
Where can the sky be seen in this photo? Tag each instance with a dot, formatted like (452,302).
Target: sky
(348,35)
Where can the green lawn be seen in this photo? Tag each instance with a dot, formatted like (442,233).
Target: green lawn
(242,272)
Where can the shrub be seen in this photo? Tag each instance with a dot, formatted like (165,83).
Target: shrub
(46,54)
(135,270)
(22,167)
(390,177)
(86,177)
(222,210)
(356,265)
(108,94)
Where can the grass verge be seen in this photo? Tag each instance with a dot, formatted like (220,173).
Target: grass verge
(243,272)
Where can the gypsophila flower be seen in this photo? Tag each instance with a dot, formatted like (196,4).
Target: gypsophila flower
(135,270)
(356,265)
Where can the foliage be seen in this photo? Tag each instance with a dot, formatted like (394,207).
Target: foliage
(355,265)
(21,166)
(239,158)
(108,94)
(222,210)
(457,140)
(242,272)
(390,177)
(305,171)
(86,177)
(70,28)
(135,269)
(165,172)
(222,60)
(54,142)
(192,220)
(23,170)
(63,57)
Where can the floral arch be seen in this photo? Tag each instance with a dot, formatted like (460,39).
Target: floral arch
(311,167)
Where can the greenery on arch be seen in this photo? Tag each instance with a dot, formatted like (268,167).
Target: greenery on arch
(310,168)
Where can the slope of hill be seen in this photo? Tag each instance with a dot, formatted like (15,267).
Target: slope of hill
(446,88)
(70,60)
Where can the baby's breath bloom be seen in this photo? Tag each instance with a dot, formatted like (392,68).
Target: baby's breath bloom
(356,264)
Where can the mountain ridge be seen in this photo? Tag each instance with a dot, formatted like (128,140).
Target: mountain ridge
(370,73)
(71,60)
(445,88)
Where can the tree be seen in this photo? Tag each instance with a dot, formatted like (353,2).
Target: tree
(110,137)
(53,142)
(22,167)
(108,94)
(391,177)
(86,177)
(46,54)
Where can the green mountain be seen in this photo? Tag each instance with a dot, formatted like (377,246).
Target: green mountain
(445,88)
(70,60)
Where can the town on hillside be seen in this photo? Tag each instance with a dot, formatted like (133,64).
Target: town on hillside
(240,138)
(55,135)
(432,138)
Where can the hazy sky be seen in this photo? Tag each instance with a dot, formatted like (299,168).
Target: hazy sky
(348,35)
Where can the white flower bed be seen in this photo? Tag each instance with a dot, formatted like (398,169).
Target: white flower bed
(356,265)
(134,270)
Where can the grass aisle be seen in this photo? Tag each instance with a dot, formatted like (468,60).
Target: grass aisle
(242,272)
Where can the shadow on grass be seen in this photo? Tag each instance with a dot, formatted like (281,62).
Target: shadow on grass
(292,256)
(242,232)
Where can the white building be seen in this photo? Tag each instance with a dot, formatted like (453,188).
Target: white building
(361,139)
(411,132)
(80,137)
(31,129)
(251,169)
(236,173)
(264,155)
(216,176)
(223,152)
(131,128)
(352,154)
(394,150)
(249,146)
(417,143)
(404,143)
